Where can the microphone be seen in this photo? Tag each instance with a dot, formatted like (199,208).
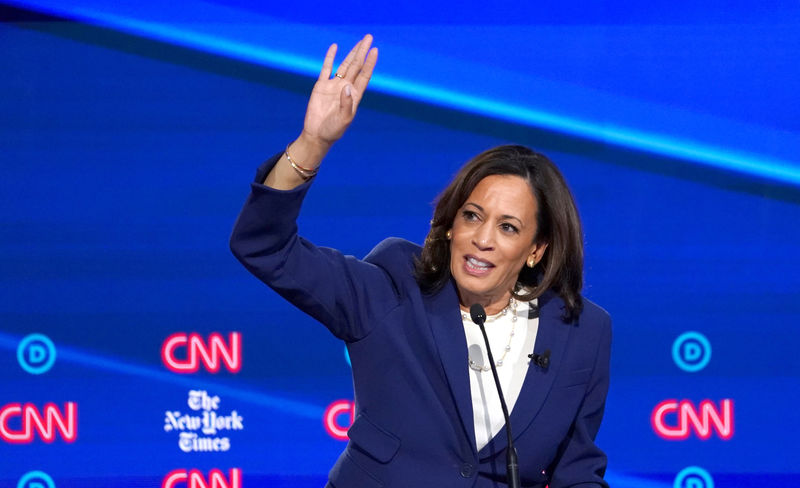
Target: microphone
(541,360)
(478,315)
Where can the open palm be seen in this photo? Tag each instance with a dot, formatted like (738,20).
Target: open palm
(334,100)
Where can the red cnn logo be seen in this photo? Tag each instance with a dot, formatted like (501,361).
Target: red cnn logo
(30,419)
(212,353)
(331,418)
(195,479)
(687,417)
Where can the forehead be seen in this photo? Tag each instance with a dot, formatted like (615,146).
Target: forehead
(505,194)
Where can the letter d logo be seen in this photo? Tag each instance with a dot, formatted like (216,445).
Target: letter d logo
(36,353)
(691,351)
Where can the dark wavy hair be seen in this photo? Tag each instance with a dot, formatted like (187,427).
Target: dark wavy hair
(557,220)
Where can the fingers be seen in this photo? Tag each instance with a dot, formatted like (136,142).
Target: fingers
(355,71)
(366,71)
(327,65)
(348,59)
(355,65)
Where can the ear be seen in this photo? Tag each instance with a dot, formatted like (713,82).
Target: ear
(536,254)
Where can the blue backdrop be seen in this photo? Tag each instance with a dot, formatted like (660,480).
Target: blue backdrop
(128,138)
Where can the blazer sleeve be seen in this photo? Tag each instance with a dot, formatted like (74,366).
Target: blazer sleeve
(344,293)
(579,462)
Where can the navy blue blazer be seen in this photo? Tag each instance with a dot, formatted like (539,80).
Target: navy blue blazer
(414,422)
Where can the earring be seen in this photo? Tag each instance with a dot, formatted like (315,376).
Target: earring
(531,261)
(449,234)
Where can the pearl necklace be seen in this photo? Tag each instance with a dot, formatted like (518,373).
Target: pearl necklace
(512,305)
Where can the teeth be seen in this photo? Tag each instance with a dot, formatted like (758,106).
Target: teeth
(477,264)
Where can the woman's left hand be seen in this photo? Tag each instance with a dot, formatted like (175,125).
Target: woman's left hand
(334,99)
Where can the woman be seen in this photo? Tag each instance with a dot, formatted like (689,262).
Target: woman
(505,235)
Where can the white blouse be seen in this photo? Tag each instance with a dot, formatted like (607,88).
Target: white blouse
(487,412)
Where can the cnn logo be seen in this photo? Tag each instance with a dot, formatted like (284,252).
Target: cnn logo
(181,478)
(183,353)
(20,423)
(674,420)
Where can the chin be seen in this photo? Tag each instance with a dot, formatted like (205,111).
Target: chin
(467,285)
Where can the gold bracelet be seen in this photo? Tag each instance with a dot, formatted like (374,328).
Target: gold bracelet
(304,173)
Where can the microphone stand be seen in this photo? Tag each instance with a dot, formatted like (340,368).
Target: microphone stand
(478,315)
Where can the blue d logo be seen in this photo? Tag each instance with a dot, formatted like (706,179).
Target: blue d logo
(36,479)
(691,351)
(693,477)
(36,353)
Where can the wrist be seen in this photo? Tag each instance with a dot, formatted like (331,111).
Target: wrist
(309,149)
(303,172)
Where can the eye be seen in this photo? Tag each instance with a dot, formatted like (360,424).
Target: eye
(506,227)
(469,215)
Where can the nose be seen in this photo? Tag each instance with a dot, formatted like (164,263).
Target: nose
(483,239)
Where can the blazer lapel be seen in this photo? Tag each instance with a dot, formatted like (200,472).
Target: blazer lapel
(553,334)
(448,332)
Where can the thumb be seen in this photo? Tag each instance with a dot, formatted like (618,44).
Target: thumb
(346,100)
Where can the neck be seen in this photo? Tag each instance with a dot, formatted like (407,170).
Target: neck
(492,305)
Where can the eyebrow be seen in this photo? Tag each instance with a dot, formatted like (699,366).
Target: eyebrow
(504,217)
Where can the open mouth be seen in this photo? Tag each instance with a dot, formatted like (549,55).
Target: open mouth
(477,266)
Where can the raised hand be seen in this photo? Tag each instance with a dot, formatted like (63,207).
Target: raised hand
(334,99)
(331,108)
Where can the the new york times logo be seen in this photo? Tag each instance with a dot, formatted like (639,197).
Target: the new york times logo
(202,429)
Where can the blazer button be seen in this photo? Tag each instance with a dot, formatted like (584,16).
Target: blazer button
(467,470)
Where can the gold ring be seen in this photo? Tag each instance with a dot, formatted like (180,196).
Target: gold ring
(338,76)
